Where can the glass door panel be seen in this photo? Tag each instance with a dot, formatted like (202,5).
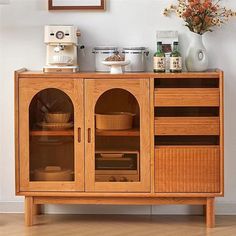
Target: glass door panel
(51,125)
(117,137)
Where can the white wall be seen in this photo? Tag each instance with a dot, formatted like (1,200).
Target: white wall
(126,22)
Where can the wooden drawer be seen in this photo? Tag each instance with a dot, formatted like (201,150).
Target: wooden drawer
(187,97)
(187,126)
(187,169)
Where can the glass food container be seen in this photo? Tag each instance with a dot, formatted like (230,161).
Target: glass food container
(101,53)
(137,57)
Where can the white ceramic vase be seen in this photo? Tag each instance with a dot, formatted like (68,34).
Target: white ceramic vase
(196,58)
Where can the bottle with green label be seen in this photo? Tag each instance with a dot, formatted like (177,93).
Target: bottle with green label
(175,59)
(159,59)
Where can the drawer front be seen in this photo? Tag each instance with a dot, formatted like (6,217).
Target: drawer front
(187,126)
(181,97)
(187,169)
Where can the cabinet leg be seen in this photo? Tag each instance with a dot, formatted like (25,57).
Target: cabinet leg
(204,210)
(29,205)
(37,209)
(210,212)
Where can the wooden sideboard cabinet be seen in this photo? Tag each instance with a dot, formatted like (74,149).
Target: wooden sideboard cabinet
(173,154)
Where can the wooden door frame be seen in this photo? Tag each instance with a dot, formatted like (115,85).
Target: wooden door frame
(140,89)
(27,90)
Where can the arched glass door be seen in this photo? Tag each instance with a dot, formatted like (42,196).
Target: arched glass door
(117,135)
(51,124)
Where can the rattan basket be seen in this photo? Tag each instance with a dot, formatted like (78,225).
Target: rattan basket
(55,126)
(57,117)
(114,121)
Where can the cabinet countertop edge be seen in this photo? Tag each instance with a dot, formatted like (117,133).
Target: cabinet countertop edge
(23,73)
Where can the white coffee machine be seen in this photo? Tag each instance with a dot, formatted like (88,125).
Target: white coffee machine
(62,48)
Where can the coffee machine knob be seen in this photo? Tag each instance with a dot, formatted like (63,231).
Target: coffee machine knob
(60,34)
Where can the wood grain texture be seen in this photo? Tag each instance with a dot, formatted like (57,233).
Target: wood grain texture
(152,133)
(118,133)
(222,130)
(187,97)
(210,213)
(120,201)
(100,224)
(187,169)
(52,7)
(139,88)
(115,194)
(16,113)
(177,174)
(145,75)
(27,90)
(37,209)
(187,126)
(29,211)
(52,133)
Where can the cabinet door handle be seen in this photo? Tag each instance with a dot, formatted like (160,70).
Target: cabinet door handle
(79,135)
(89,135)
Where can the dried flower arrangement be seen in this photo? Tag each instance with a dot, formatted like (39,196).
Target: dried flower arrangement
(201,16)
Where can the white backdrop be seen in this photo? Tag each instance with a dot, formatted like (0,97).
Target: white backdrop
(125,23)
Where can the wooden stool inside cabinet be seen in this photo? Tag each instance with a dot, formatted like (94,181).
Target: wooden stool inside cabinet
(138,139)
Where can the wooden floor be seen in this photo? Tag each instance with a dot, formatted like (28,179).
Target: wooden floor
(115,225)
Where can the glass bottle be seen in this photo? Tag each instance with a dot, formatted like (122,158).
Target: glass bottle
(159,59)
(175,59)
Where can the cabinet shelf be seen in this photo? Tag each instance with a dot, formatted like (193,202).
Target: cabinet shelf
(69,132)
(117,150)
(118,133)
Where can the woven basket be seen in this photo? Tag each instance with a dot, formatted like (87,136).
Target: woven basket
(57,117)
(55,126)
(114,121)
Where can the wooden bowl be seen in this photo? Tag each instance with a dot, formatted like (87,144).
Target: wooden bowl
(114,121)
(57,117)
(53,173)
(55,126)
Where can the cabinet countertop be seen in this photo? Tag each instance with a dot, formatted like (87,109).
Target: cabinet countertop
(23,73)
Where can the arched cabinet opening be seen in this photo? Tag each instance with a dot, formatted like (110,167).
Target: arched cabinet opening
(117,137)
(51,143)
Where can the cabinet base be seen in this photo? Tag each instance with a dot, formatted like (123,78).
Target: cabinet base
(32,204)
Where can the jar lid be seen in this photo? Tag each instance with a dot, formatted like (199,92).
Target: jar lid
(135,48)
(106,48)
